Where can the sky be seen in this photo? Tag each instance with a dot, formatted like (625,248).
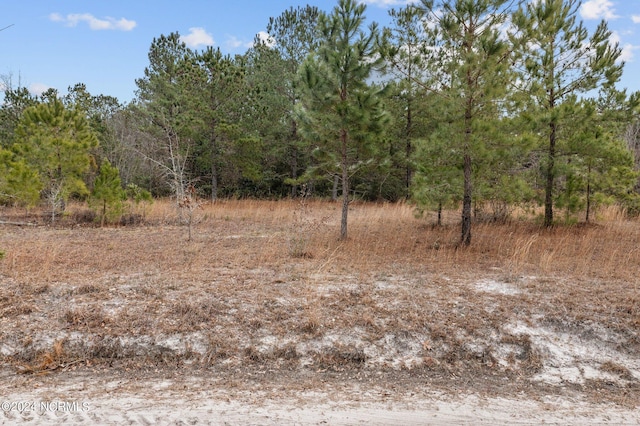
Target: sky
(104,44)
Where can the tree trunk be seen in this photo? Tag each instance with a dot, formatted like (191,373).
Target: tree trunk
(345,209)
(334,190)
(294,158)
(294,172)
(104,213)
(466,202)
(548,192)
(214,169)
(345,186)
(408,147)
(439,223)
(214,183)
(588,193)
(465,237)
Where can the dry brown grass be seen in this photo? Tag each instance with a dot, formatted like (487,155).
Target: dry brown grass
(398,293)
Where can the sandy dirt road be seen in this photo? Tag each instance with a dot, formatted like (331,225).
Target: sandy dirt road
(83,399)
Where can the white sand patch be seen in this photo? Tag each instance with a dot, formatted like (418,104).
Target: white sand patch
(161,403)
(496,287)
(569,358)
(384,285)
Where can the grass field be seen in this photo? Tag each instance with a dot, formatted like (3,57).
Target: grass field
(267,286)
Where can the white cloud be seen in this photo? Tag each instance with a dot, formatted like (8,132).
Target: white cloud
(628,52)
(635,19)
(197,37)
(266,38)
(234,42)
(38,88)
(615,37)
(598,9)
(108,23)
(628,49)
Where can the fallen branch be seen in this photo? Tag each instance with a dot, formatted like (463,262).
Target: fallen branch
(44,369)
(6,222)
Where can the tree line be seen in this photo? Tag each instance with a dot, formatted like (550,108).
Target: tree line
(478,104)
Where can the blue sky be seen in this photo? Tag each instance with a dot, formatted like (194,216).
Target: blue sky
(104,44)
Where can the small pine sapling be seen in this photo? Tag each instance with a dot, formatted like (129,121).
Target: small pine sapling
(107,196)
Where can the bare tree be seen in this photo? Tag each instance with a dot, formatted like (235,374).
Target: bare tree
(188,205)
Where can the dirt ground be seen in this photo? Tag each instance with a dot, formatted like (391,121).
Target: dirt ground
(264,317)
(90,398)
(263,398)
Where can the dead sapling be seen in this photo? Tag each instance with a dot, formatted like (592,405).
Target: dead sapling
(303,227)
(188,206)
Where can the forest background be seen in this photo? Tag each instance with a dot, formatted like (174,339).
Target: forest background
(488,106)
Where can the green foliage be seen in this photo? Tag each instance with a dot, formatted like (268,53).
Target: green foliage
(169,107)
(472,112)
(599,168)
(438,180)
(20,185)
(404,48)
(340,111)
(270,96)
(99,111)
(137,194)
(221,82)
(631,203)
(107,196)
(15,102)
(56,142)
(137,199)
(557,62)
(468,67)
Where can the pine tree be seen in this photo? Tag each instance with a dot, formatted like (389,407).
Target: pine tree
(469,66)
(438,182)
(597,166)
(56,142)
(221,84)
(559,61)
(292,37)
(15,102)
(167,97)
(403,48)
(340,111)
(20,185)
(107,196)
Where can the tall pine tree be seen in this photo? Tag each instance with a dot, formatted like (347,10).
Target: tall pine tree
(293,36)
(559,61)
(166,102)
(340,111)
(471,61)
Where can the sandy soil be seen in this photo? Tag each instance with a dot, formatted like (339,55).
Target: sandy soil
(96,396)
